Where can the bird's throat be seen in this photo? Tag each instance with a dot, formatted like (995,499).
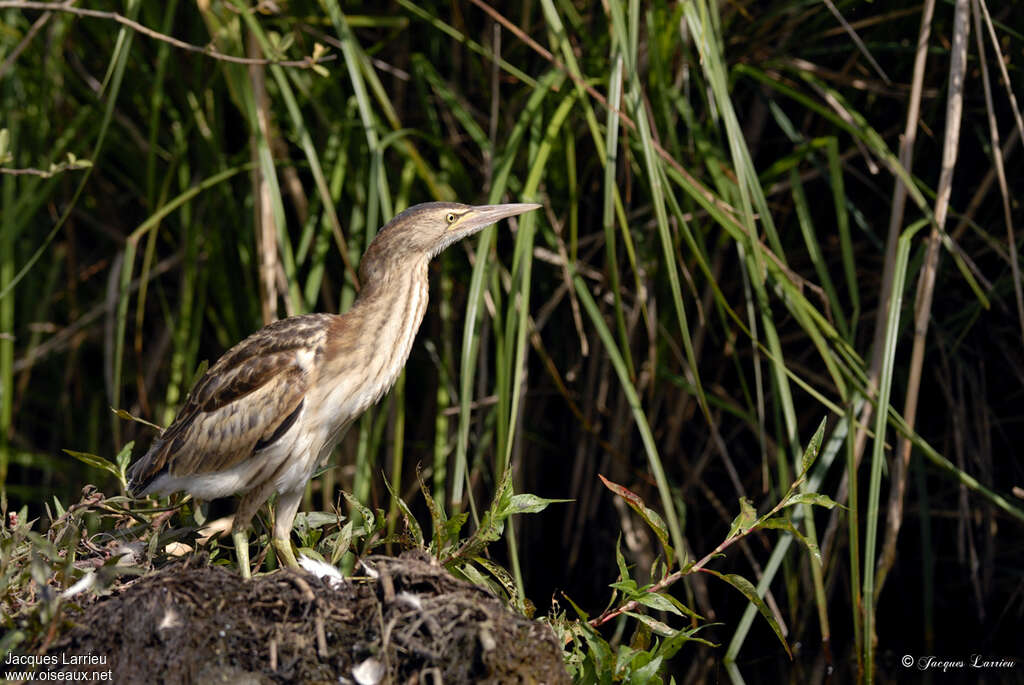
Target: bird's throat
(369,345)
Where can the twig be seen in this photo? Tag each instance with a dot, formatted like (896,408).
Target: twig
(209,50)
(857,41)
(78,165)
(672,578)
(997,155)
(667,581)
(304,588)
(29,36)
(321,636)
(924,296)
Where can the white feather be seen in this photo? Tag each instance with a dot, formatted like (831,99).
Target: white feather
(321,569)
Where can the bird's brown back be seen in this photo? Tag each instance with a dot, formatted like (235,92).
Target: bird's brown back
(211,432)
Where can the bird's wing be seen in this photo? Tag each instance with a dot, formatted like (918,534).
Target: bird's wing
(244,402)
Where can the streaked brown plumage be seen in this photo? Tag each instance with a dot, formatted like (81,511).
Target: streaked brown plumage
(272,408)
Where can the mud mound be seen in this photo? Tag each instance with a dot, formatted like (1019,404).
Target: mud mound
(206,625)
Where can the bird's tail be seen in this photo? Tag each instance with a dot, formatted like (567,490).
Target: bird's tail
(145,470)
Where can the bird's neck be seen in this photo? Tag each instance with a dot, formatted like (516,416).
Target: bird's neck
(376,335)
(391,295)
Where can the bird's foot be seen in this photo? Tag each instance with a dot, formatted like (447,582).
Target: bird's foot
(283,548)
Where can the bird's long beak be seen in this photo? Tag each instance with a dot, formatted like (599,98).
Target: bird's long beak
(485,215)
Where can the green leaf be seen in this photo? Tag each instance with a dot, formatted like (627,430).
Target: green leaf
(620,560)
(453,527)
(95,462)
(599,650)
(438,518)
(583,616)
(685,610)
(648,673)
(750,592)
(813,447)
(745,520)
(529,504)
(122,459)
(44,547)
(782,523)
(473,575)
(122,414)
(491,528)
(628,587)
(650,517)
(407,514)
(813,498)
(492,522)
(342,542)
(669,646)
(14,637)
(501,575)
(368,519)
(312,554)
(658,602)
(199,512)
(654,624)
(381,521)
(314,520)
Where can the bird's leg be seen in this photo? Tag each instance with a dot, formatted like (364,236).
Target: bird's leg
(287,505)
(241,538)
(284,553)
(247,507)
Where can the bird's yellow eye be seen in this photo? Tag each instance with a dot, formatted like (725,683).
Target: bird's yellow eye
(450,218)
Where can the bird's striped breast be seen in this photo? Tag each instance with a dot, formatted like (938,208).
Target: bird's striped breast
(367,351)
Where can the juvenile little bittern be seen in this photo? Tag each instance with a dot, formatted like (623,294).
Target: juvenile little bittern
(273,407)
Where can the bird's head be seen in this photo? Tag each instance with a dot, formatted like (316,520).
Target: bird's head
(423,231)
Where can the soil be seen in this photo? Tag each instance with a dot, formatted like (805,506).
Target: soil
(406,622)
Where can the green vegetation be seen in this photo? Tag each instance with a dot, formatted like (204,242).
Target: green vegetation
(725,255)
